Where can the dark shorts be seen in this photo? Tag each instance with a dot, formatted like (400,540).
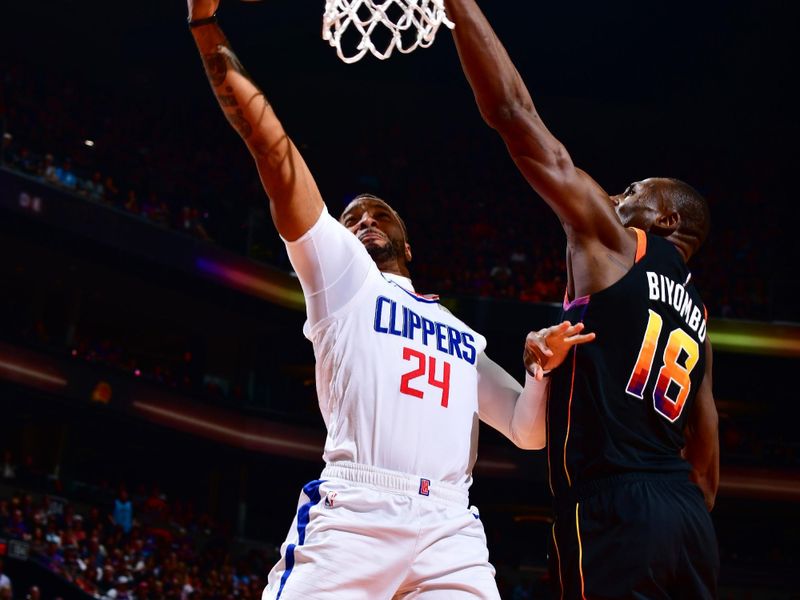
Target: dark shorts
(635,536)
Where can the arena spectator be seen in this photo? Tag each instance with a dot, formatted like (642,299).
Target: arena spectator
(5,582)
(123,512)
(47,170)
(8,469)
(66,176)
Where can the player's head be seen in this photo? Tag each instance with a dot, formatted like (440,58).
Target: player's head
(667,207)
(381,230)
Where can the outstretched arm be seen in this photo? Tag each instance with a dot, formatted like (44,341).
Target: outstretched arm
(295,201)
(702,437)
(506,105)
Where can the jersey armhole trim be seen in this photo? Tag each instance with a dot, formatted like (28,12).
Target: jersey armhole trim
(641,244)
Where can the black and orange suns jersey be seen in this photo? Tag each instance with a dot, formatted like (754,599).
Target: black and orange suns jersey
(619,404)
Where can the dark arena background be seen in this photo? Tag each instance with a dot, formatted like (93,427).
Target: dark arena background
(150,327)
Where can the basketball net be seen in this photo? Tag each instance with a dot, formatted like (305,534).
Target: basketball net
(364,18)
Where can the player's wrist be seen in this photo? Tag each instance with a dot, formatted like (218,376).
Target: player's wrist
(532,372)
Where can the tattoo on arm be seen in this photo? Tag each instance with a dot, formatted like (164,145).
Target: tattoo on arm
(227,99)
(241,124)
(216,68)
(217,64)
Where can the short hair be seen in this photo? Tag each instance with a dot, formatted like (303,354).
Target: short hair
(693,209)
(368,196)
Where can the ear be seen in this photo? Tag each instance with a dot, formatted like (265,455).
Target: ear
(408,252)
(666,224)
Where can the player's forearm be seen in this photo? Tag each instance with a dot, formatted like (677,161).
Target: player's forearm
(702,435)
(506,105)
(295,201)
(529,422)
(499,90)
(702,453)
(516,412)
(702,445)
(244,105)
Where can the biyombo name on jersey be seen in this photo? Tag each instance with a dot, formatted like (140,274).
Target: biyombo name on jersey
(395,319)
(664,289)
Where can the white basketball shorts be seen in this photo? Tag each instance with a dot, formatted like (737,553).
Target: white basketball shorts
(363,533)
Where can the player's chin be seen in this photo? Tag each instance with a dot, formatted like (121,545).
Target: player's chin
(380,252)
(374,244)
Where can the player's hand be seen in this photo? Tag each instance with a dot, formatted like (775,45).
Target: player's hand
(547,348)
(201,9)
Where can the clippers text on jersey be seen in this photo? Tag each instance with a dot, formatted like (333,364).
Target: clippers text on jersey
(393,318)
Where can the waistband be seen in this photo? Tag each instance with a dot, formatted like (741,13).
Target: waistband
(397,482)
(585,489)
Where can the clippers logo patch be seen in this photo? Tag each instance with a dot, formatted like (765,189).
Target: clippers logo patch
(425,487)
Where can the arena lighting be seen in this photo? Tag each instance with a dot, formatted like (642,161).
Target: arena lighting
(746,337)
(19,371)
(253,283)
(88,143)
(756,483)
(202,426)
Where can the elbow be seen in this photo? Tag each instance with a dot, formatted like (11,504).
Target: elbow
(508,116)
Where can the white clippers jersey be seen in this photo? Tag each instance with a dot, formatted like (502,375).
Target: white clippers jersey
(396,373)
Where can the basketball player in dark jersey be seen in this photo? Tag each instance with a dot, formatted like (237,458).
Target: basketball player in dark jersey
(632,426)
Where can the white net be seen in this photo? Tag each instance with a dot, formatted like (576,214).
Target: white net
(410,24)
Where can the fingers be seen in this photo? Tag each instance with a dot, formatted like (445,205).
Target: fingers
(570,329)
(569,334)
(575,340)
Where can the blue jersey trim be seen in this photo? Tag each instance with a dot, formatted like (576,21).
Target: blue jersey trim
(417,297)
(311,490)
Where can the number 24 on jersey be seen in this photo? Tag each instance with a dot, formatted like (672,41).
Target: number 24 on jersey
(425,363)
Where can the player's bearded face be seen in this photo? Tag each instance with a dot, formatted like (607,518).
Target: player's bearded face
(382,248)
(377,227)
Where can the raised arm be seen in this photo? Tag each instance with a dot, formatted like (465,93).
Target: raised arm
(583,207)
(702,437)
(295,201)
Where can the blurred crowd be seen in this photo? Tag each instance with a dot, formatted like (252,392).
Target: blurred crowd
(476,231)
(138,547)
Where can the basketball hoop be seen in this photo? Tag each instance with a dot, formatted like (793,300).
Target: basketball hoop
(410,24)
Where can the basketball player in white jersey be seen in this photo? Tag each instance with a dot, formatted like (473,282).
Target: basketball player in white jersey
(401,382)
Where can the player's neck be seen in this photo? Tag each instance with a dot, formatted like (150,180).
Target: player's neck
(683,244)
(394,268)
